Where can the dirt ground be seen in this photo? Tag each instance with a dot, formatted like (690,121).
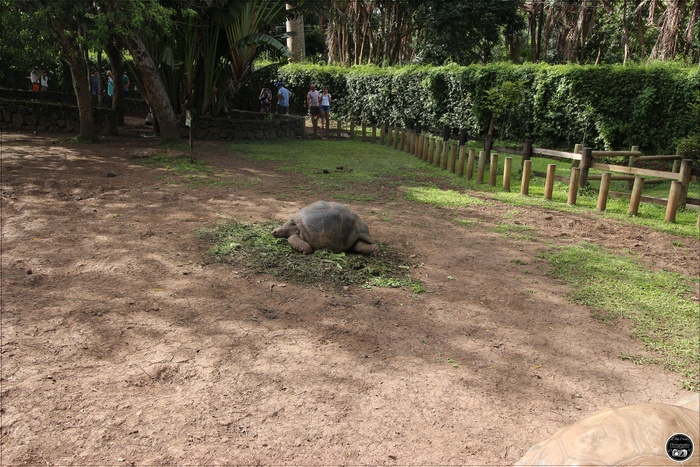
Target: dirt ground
(123,344)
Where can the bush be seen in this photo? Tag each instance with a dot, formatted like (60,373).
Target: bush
(605,107)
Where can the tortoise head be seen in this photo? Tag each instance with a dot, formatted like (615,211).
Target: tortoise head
(285,231)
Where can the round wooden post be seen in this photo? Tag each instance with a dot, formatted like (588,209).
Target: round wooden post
(636,196)
(453,156)
(573,185)
(586,160)
(445,151)
(396,137)
(525,182)
(364,132)
(420,149)
(437,153)
(382,134)
(527,152)
(632,161)
(480,168)
(431,149)
(604,190)
(507,167)
(374,133)
(674,195)
(352,129)
(339,126)
(402,144)
(460,163)
(470,163)
(493,169)
(549,181)
(684,177)
(577,150)
(426,147)
(676,166)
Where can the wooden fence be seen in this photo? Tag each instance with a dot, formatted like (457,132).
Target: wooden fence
(449,152)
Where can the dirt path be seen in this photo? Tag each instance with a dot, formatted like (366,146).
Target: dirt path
(122,344)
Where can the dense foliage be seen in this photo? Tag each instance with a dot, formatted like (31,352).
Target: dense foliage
(606,107)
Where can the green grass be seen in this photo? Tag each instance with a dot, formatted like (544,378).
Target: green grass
(660,304)
(252,246)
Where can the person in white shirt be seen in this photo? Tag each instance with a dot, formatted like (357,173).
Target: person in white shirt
(312,102)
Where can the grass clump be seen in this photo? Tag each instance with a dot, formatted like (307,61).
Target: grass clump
(253,247)
(659,304)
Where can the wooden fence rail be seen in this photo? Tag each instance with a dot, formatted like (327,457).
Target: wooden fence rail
(449,153)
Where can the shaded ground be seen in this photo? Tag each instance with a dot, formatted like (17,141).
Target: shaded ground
(123,344)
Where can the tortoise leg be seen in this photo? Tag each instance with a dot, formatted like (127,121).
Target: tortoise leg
(365,248)
(299,244)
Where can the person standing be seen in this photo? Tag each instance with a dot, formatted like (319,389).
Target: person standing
(126,84)
(283,95)
(265,99)
(94,86)
(326,108)
(110,83)
(312,102)
(34,78)
(44,80)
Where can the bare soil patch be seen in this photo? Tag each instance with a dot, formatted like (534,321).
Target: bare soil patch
(122,343)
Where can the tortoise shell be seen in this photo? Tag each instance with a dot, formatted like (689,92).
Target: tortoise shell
(629,435)
(331,226)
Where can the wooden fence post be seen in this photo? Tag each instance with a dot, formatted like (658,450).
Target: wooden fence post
(684,177)
(431,149)
(364,132)
(352,129)
(527,152)
(426,149)
(493,169)
(382,134)
(488,144)
(549,181)
(577,150)
(470,163)
(396,137)
(374,133)
(402,144)
(525,182)
(437,153)
(460,163)
(674,195)
(339,125)
(586,160)
(631,163)
(480,168)
(636,196)
(445,150)
(573,185)
(420,146)
(604,190)
(507,167)
(453,156)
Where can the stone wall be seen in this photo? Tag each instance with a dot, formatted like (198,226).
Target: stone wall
(40,116)
(27,111)
(247,126)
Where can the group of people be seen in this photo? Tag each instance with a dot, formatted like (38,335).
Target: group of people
(39,80)
(318,103)
(95,83)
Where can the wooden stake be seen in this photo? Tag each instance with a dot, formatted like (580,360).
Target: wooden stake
(586,160)
(636,196)
(453,156)
(573,185)
(604,190)
(470,163)
(396,137)
(525,182)
(339,124)
(460,162)
(445,150)
(374,133)
(549,181)
(402,143)
(382,135)
(493,169)
(507,167)
(577,150)
(684,177)
(431,148)
(480,168)
(364,132)
(437,153)
(674,195)
(352,129)
(632,161)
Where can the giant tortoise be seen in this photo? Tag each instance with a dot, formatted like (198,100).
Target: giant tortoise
(639,434)
(327,225)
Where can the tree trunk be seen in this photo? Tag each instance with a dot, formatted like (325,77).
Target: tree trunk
(115,62)
(81,85)
(296,41)
(159,100)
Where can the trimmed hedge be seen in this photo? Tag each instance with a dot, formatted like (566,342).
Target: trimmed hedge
(607,106)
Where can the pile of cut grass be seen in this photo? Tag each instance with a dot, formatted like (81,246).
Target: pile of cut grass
(253,247)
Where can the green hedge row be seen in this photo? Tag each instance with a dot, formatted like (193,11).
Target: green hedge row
(607,107)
